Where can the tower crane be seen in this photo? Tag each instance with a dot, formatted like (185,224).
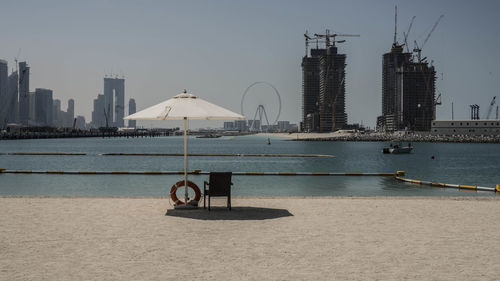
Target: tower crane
(16,58)
(408,32)
(436,101)
(418,49)
(492,103)
(327,37)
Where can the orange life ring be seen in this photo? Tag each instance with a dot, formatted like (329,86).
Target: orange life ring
(173,190)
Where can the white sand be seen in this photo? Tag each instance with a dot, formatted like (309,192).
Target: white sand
(261,239)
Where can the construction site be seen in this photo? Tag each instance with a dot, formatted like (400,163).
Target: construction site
(408,86)
(323,84)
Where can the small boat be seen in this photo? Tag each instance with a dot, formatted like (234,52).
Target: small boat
(397,148)
(209,136)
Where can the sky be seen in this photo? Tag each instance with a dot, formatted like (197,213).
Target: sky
(217,49)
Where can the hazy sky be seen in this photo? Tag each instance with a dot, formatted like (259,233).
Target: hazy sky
(216,49)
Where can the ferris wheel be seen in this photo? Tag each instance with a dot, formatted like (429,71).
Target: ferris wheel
(257,98)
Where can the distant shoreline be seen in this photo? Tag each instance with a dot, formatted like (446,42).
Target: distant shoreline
(378,137)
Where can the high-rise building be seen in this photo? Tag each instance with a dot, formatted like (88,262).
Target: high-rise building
(80,122)
(32,104)
(131,110)
(114,100)
(4,76)
(99,112)
(12,92)
(24,90)
(323,86)
(408,92)
(70,113)
(57,114)
(332,115)
(43,107)
(310,90)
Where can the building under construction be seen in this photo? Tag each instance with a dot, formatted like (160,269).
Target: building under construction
(408,93)
(323,85)
(408,89)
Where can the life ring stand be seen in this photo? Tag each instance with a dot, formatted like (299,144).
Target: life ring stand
(177,201)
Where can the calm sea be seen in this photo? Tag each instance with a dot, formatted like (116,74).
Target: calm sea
(470,164)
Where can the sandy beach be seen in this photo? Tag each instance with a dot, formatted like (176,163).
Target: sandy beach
(284,238)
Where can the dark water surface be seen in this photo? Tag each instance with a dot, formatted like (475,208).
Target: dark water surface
(470,164)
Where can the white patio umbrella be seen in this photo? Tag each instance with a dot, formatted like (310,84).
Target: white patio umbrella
(185,107)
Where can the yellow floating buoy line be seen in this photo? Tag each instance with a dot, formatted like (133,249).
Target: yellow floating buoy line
(399,175)
(448,185)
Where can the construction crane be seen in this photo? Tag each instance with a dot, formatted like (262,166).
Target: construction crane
(408,32)
(395,42)
(492,103)
(437,101)
(327,37)
(418,49)
(308,38)
(16,58)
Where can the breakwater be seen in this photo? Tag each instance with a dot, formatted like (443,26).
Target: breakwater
(405,138)
(80,134)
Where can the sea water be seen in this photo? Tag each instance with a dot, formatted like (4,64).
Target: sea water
(468,164)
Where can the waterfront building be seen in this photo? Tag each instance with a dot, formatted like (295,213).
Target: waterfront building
(32,104)
(284,126)
(332,115)
(131,110)
(465,127)
(57,114)
(99,112)
(114,100)
(310,90)
(4,76)
(80,122)
(254,125)
(13,103)
(70,113)
(24,93)
(228,125)
(408,92)
(43,107)
(323,86)
(240,125)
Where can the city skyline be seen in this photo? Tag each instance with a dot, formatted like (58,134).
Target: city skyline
(217,49)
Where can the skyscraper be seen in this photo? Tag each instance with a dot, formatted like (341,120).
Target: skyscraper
(310,90)
(131,110)
(114,100)
(4,98)
(332,91)
(408,92)
(99,114)
(43,107)
(323,86)
(70,115)
(24,89)
(57,114)
(12,92)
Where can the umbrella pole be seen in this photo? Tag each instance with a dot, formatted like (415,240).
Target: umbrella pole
(185,163)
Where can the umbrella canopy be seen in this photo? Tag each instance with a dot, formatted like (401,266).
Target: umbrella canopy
(185,107)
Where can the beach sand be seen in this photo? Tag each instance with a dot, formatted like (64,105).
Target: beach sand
(283,238)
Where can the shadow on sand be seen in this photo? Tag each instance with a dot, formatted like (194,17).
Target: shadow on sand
(237,213)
